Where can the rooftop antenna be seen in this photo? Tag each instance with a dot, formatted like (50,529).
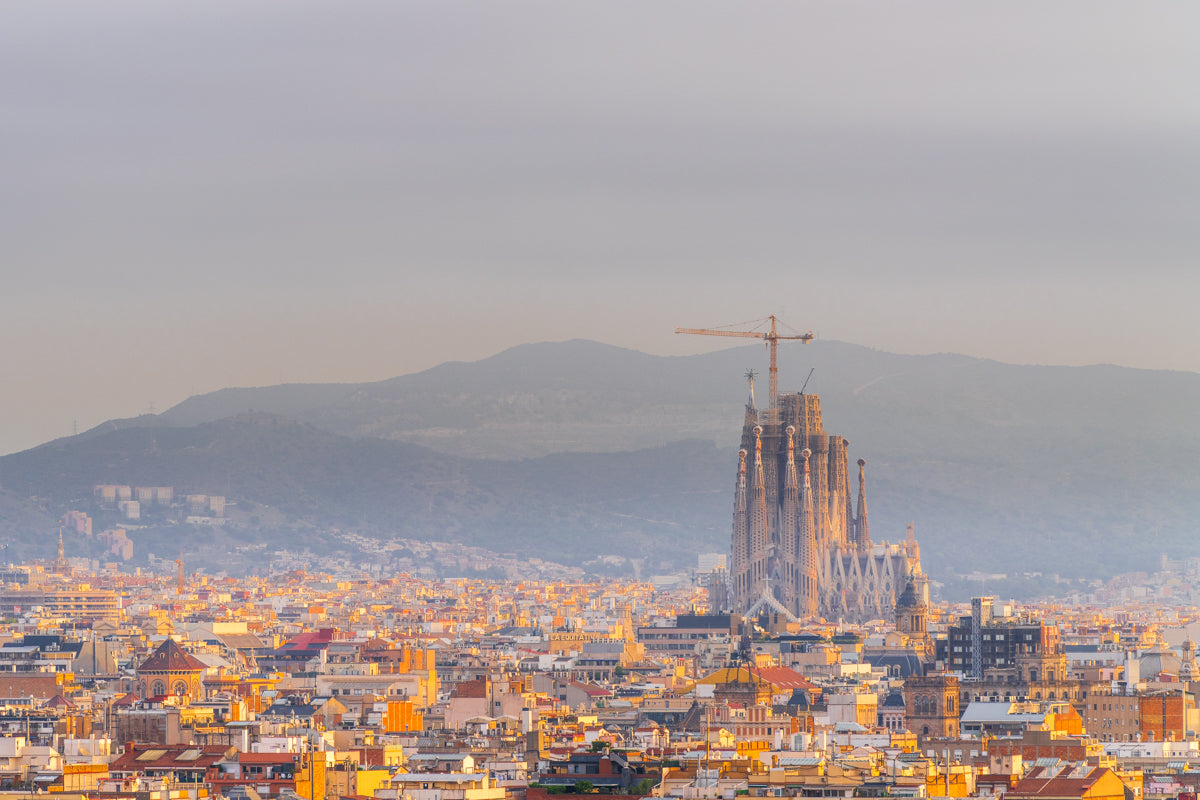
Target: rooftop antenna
(810,372)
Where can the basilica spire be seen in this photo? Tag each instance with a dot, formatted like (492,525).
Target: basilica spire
(760,533)
(790,481)
(739,493)
(808,544)
(862,530)
(789,521)
(741,537)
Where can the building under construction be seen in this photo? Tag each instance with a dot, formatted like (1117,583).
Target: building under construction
(801,546)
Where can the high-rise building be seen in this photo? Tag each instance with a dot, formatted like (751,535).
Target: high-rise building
(800,544)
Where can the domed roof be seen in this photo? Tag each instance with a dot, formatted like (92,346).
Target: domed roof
(898,664)
(799,700)
(910,598)
(1157,660)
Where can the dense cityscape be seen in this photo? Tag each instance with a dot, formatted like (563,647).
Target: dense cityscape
(812,664)
(811,660)
(352,446)
(314,685)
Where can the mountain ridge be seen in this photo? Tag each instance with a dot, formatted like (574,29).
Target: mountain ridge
(1004,468)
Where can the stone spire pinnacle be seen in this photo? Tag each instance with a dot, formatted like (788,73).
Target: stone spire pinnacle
(808,519)
(789,476)
(862,528)
(760,534)
(789,520)
(60,564)
(739,494)
(808,544)
(741,542)
(790,527)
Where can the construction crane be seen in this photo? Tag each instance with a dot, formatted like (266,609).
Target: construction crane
(771,337)
(179,575)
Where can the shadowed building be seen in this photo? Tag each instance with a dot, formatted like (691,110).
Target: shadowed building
(931,705)
(1008,656)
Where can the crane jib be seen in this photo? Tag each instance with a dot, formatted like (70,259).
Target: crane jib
(772,338)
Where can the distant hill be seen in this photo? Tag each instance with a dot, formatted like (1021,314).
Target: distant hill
(24,528)
(1003,468)
(531,400)
(571,507)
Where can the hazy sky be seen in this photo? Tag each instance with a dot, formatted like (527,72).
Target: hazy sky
(197,195)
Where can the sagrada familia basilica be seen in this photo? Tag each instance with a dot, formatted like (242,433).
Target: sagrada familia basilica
(801,546)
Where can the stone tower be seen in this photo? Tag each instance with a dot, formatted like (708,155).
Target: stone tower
(912,618)
(60,563)
(1187,669)
(931,705)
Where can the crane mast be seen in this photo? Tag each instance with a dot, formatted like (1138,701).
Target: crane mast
(771,337)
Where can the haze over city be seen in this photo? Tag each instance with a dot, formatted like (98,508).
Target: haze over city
(349,449)
(208,195)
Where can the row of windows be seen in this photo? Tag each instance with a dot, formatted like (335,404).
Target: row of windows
(159,688)
(656,647)
(925,706)
(960,636)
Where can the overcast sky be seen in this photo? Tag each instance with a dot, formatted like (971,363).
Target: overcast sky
(198,195)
